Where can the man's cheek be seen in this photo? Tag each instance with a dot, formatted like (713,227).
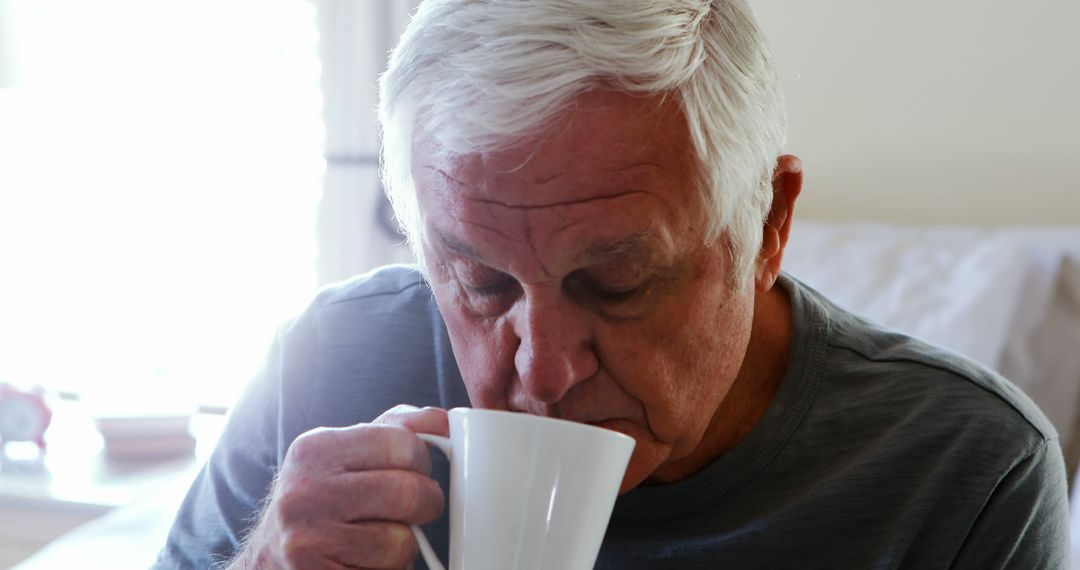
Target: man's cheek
(642,372)
(486,359)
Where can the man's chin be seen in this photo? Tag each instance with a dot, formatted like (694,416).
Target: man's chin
(639,472)
(647,456)
(629,483)
(638,475)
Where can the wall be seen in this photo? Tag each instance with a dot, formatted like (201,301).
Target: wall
(928,111)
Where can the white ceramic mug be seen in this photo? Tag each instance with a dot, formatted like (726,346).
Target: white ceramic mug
(526,492)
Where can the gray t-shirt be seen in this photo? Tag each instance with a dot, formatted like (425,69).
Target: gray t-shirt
(879,451)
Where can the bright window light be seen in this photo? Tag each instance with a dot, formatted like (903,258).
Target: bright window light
(160,168)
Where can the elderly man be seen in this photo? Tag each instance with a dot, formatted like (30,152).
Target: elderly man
(596,196)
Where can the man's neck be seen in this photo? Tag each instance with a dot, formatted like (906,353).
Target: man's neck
(761,374)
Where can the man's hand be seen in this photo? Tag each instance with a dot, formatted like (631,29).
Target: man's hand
(345,497)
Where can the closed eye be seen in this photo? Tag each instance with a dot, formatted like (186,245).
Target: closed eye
(616,295)
(493,289)
(596,290)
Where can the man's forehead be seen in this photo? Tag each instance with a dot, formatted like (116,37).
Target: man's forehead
(473,180)
(603,143)
(607,181)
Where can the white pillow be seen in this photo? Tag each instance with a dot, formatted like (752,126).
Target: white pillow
(957,288)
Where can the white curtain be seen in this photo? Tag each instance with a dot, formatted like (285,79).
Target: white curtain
(356,229)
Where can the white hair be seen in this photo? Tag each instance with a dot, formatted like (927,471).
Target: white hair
(475,76)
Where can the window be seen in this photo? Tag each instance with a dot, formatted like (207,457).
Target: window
(160,170)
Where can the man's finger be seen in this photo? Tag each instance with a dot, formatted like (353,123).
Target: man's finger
(372,544)
(358,448)
(389,495)
(420,420)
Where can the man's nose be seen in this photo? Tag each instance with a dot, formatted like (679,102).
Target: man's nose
(556,348)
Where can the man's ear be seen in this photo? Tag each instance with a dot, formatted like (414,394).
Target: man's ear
(787,182)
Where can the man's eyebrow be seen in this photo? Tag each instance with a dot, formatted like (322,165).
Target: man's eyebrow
(604,249)
(596,250)
(453,244)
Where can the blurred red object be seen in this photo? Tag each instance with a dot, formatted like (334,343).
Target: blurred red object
(24,415)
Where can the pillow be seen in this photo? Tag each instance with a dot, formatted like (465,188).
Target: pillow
(1043,352)
(957,288)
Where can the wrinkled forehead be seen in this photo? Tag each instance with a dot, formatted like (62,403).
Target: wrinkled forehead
(470,204)
(605,143)
(608,173)
(533,185)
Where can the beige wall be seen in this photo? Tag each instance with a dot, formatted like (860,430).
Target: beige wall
(926,111)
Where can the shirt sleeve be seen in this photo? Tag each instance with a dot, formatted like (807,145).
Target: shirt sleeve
(360,348)
(1025,522)
(226,497)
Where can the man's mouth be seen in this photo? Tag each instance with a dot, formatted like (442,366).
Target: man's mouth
(619,425)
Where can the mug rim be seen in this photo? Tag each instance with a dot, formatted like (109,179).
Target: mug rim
(464,410)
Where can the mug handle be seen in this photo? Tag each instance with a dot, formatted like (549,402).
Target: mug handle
(443,444)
